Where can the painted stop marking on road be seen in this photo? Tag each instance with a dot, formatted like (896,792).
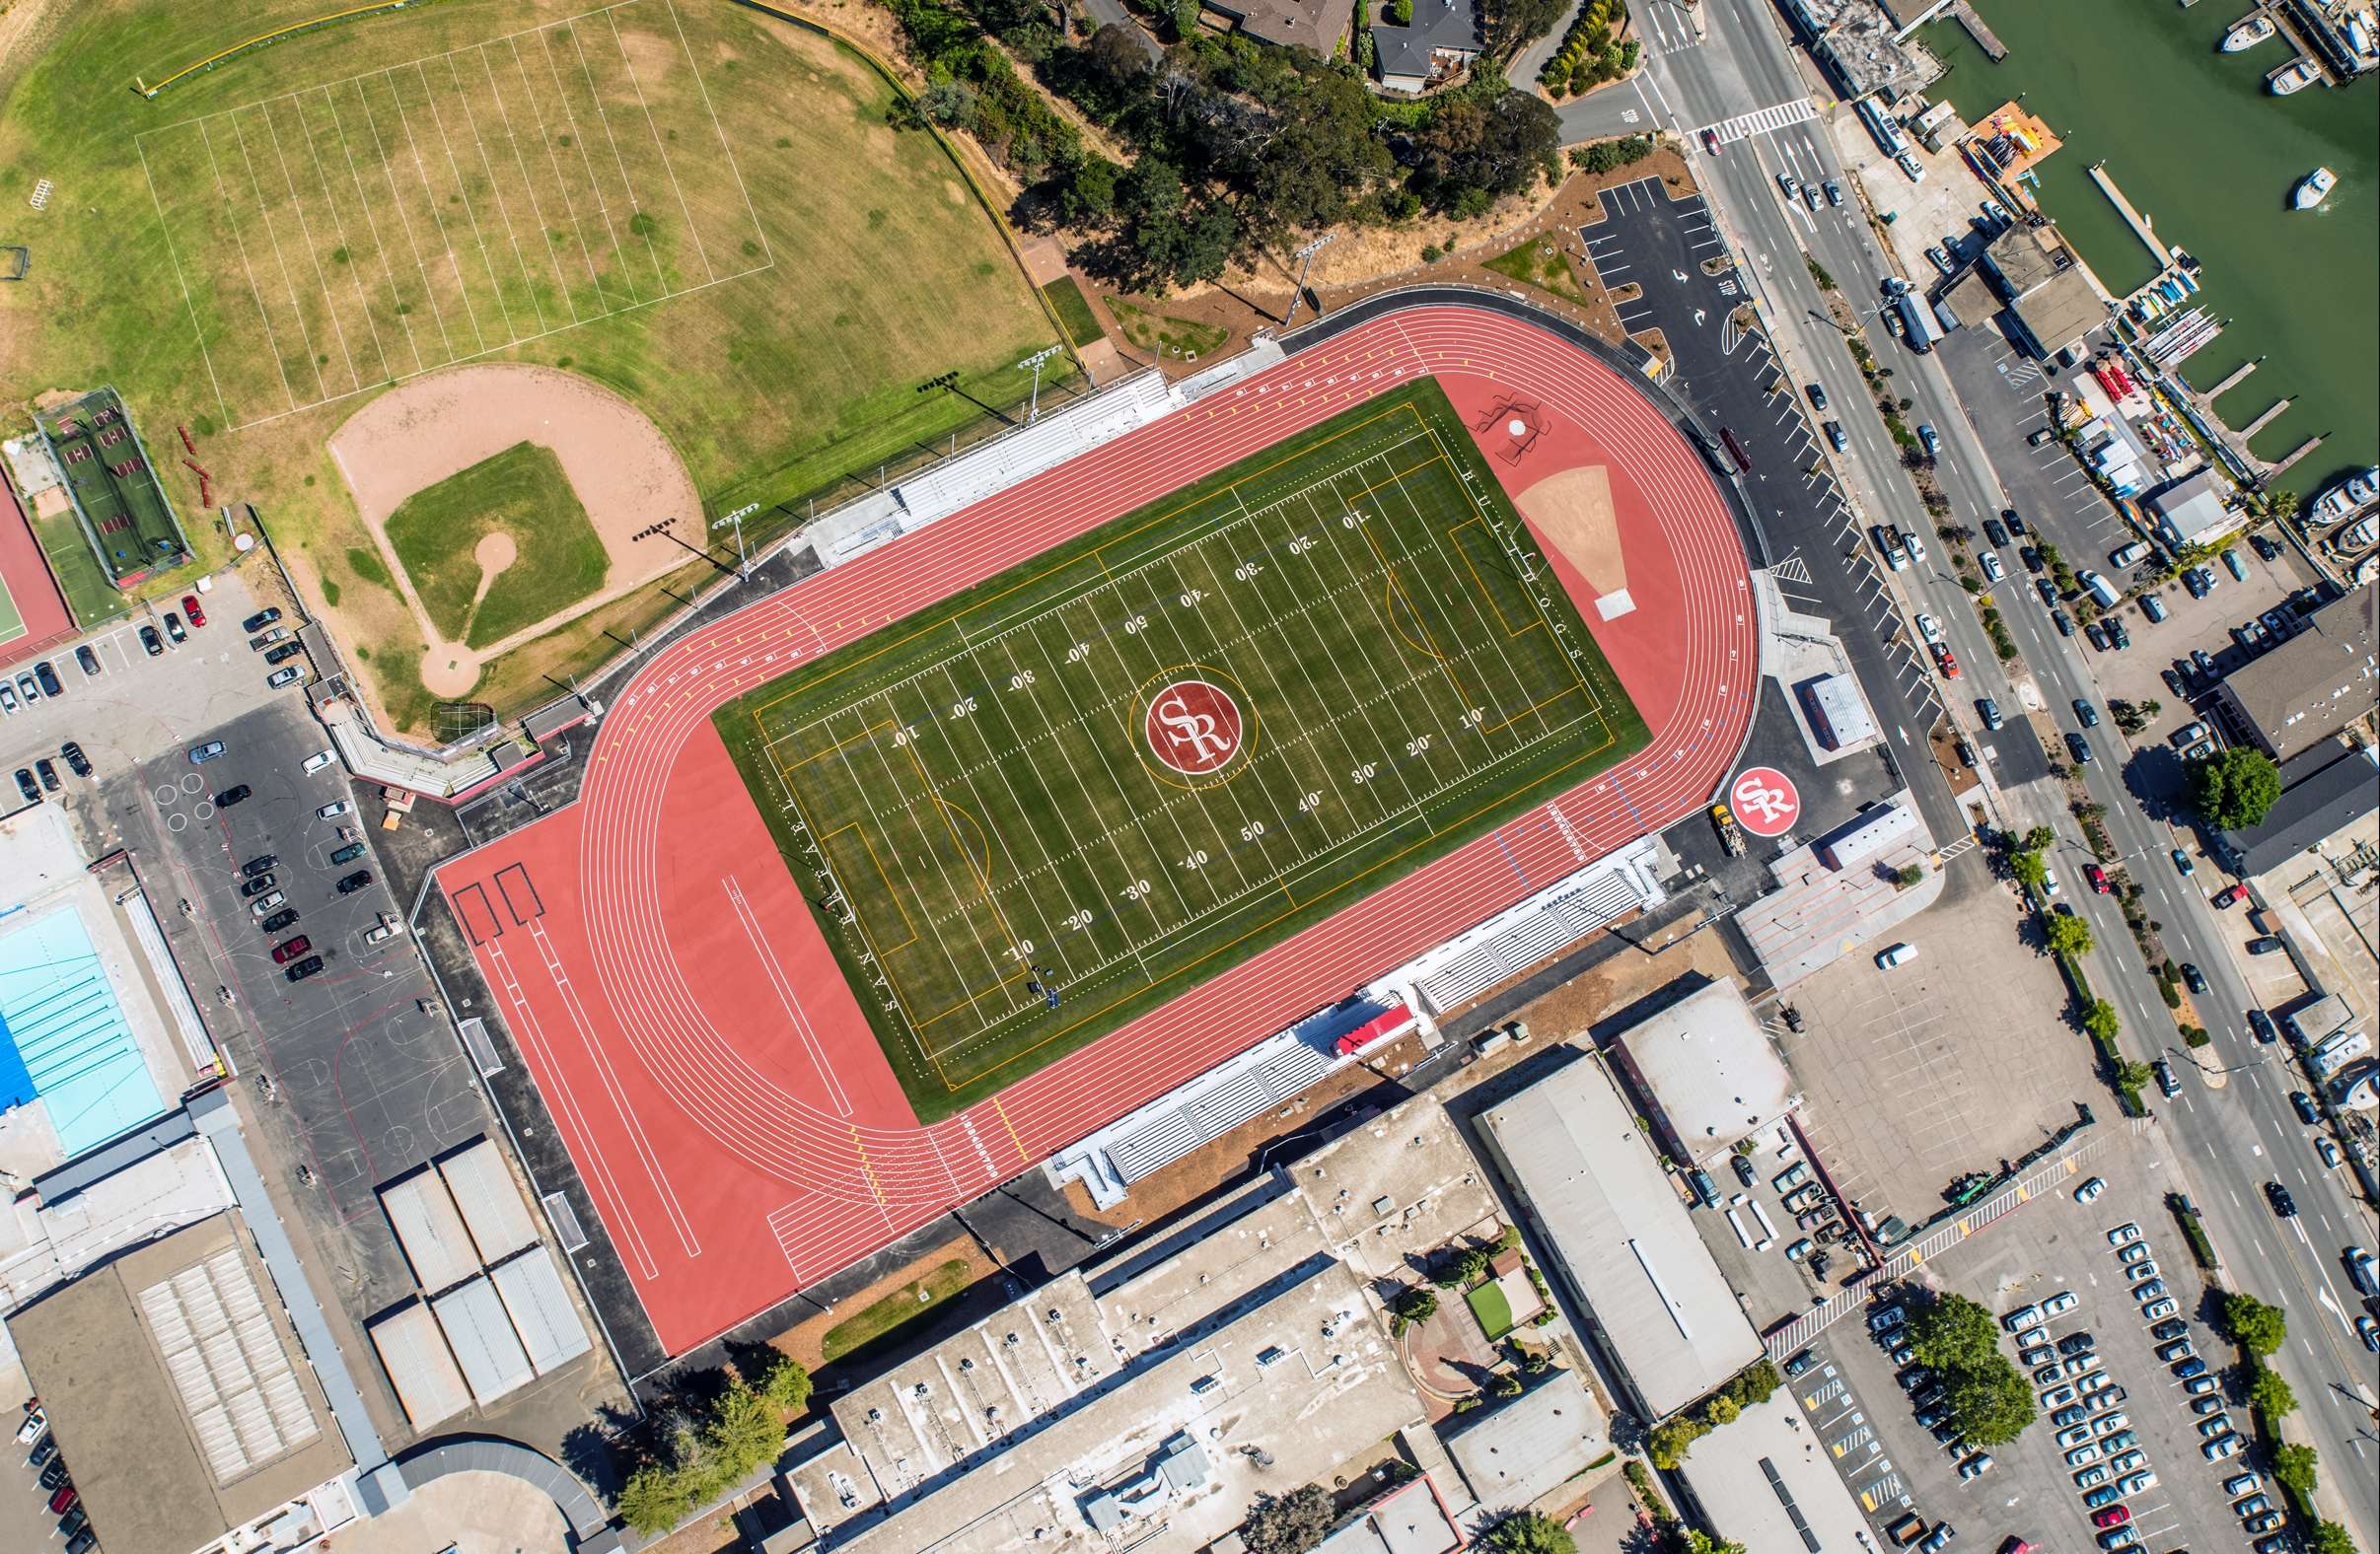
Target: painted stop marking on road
(1764,801)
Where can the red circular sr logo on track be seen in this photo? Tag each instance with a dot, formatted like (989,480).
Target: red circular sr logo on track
(1764,801)
(1192,726)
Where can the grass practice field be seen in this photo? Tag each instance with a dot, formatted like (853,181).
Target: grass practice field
(114,485)
(244,244)
(1039,810)
(523,493)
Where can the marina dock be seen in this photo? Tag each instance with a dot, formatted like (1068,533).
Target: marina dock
(2296,454)
(1994,50)
(2132,218)
(2272,413)
(2238,375)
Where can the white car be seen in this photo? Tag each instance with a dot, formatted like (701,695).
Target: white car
(1929,628)
(331,812)
(31,1431)
(379,932)
(320,760)
(2075,1435)
(2328,1152)
(2090,1189)
(2137,1483)
(2022,1318)
(2059,1304)
(2158,1310)
(2134,1251)
(2048,884)
(2127,1462)
(2121,1233)
(2056,1397)
(2221,1447)
(2092,1477)
(1897,955)
(2109,1424)
(1992,567)
(2087,1453)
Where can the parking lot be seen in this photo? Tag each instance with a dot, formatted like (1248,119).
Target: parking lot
(1752,1232)
(26,1487)
(354,1079)
(1854,1397)
(1901,1044)
(139,704)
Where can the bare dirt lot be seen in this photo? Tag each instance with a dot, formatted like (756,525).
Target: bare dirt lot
(626,475)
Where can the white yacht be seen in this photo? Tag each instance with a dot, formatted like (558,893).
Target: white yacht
(2314,189)
(2248,33)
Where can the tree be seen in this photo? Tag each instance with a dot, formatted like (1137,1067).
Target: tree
(2132,1074)
(785,1383)
(2234,789)
(1526,1532)
(1908,877)
(2101,1024)
(1697,1542)
(2029,869)
(1415,1304)
(2259,1328)
(2293,1467)
(1669,1441)
(2068,936)
(2269,1394)
(656,1497)
(1991,1405)
(2329,1537)
(1288,1524)
(1115,52)
(744,1431)
(1721,1410)
(1952,1334)
(1400,12)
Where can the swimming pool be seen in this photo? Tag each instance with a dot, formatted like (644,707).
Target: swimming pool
(63,1036)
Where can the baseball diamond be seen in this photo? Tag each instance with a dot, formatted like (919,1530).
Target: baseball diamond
(1037,811)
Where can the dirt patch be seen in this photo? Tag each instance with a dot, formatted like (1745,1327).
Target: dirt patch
(1573,511)
(626,475)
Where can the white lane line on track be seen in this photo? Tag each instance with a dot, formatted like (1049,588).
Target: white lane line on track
(837,1099)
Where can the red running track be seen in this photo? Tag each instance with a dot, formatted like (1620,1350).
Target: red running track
(714,1078)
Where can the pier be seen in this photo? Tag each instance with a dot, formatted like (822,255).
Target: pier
(2132,218)
(2296,454)
(2272,413)
(1994,50)
(2238,375)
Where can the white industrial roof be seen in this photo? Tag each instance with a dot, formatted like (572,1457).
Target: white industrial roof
(489,1352)
(1620,1236)
(1767,1484)
(1514,1452)
(489,1201)
(541,1311)
(414,1354)
(430,1231)
(1708,1070)
(218,1342)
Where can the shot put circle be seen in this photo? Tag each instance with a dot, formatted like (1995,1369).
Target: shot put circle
(1192,726)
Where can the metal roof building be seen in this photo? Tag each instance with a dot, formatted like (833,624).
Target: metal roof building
(1512,1453)
(1707,1073)
(493,1363)
(430,1231)
(2314,684)
(174,1380)
(1766,1483)
(1622,1244)
(489,1201)
(420,1368)
(548,1325)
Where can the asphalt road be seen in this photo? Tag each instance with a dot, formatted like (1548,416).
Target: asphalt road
(2231,1141)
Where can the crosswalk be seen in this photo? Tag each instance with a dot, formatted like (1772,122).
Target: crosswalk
(1761,122)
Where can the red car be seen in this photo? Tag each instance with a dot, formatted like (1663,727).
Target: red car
(1945,662)
(2098,878)
(64,1501)
(190,607)
(2113,1517)
(2231,895)
(282,954)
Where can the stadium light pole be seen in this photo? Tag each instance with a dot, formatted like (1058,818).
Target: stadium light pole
(1305,257)
(1035,362)
(663,530)
(736,519)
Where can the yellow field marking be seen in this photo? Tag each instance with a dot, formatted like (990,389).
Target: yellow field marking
(1481,583)
(874,1185)
(1013,1136)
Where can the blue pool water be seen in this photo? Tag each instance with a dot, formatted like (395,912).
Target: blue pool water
(63,1037)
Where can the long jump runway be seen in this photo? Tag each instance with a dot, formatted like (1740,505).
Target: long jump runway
(735,1124)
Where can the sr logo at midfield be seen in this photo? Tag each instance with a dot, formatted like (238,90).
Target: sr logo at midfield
(1192,727)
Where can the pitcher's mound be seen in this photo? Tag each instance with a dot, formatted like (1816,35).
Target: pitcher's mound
(1572,511)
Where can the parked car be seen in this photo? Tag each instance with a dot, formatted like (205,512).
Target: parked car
(2307,1112)
(284,653)
(76,762)
(304,968)
(190,607)
(282,676)
(87,661)
(2230,895)
(320,760)
(2265,945)
(261,620)
(1835,435)
(235,794)
(279,920)
(200,755)
(257,885)
(335,808)
(1818,396)
(283,954)
(150,642)
(174,629)
(357,880)
(349,854)
(27,786)
(48,678)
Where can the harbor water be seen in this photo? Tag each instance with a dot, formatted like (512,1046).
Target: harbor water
(2199,147)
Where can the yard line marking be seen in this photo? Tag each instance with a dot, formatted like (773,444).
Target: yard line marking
(339,225)
(305,334)
(447,143)
(183,280)
(666,164)
(272,339)
(306,229)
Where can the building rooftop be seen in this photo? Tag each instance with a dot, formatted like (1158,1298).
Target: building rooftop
(1514,1452)
(2061,310)
(1620,1235)
(2314,684)
(1319,25)
(2325,790)
(1863,47)
(1708,1073)
(176,1388)
(2192,508)
(1766,1483)
(1412,1519)
(1450,24)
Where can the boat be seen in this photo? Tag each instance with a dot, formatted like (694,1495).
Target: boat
(2295,76)
(2248,33)
(2363,488)
(2358,535)
(2332,506)
(2313,188)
